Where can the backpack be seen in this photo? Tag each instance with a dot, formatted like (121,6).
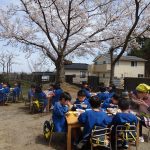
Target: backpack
(35,106)
(48,129)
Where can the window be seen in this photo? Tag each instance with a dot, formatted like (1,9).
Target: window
(133,63)
(140,75)
(104,75)
(82,74)
(104,62)
(96,63)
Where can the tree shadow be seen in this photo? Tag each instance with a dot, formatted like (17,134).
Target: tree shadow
(58,141)
(25,109)
(6,104)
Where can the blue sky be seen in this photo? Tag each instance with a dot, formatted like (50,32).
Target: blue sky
(22,63)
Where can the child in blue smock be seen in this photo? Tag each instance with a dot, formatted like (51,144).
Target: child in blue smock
(1,85)
(123,118)
(103,95)
(41,96)
(1,96)
(56,93)
(59,111)
(92,118)
(112,90)
(86,89)
(5,91)
(111,102)
(6,88)
(81,102)
(16,92)
(31,92)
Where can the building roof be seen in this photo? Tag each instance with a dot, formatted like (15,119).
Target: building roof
(76,66)
(124,58)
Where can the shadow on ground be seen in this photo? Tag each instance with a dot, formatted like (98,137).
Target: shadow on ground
(58,141)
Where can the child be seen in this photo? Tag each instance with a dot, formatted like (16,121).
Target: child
(6,88)
(91,118)
(86,89)
(111,102)
(16,92)
(41,96)
(57,92)
(59,111)
(31,92)
(103,95)
(81,102)
(112,90)
(123,118)
(1,85)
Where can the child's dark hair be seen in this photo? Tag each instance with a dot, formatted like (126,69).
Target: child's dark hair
(57,86)
(66,96)
(124,104)
(116,97)
(84,83)
(102,89)
(33,86)
(95,102)
(81,93)
(38,89)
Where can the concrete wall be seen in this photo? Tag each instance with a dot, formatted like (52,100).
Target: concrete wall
(124,69)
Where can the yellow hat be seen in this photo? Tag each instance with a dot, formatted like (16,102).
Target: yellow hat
(143,88)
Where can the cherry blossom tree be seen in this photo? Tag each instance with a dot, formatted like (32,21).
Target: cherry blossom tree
(135,22)
(58,28)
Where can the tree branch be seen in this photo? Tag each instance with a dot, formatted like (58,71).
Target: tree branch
(45,21)
(25,41)
(68,26)
(82,42)
(59,15)
(130,32)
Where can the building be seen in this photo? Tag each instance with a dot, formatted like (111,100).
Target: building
(127,66)
(76,72)
(43,76)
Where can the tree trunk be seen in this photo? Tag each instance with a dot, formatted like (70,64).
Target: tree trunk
(3,68)
(112,69)
(112,73)
(60,73)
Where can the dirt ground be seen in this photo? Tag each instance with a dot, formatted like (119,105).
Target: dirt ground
(20,130)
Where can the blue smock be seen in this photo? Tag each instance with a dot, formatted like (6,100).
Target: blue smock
(59,120)
(91,118)
(57,95)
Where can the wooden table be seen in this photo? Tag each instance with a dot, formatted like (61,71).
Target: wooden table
(72,122)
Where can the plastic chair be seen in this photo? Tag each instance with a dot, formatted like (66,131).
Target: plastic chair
(100,137)
(126,132)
